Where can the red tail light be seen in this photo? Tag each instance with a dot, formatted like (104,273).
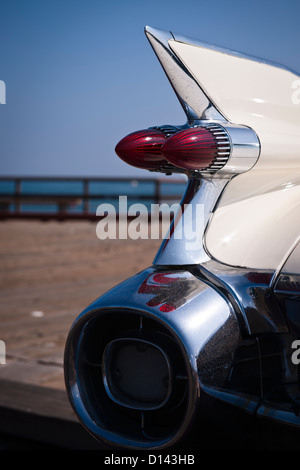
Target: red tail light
(142,149)
(198,148)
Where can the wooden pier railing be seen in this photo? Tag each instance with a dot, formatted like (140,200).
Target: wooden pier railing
(77,198)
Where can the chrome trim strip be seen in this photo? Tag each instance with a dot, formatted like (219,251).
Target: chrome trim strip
(185,86)
(283,261)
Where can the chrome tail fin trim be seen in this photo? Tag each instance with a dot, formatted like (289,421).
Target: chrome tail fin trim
(191,96)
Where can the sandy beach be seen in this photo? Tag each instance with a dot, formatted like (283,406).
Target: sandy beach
(49,272)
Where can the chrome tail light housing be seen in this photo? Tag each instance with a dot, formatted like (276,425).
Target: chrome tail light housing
(136,373)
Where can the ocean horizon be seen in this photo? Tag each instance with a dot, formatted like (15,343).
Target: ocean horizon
(42,195)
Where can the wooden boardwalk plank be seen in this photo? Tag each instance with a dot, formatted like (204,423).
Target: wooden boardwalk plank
(43,415)
(49,272)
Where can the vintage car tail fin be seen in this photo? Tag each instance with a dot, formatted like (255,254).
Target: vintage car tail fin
(216,84)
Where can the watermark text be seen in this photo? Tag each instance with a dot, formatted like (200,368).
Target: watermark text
(2,352)
(2,92)
(136,222)
(296,93)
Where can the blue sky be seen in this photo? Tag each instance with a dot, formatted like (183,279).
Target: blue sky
(80,74)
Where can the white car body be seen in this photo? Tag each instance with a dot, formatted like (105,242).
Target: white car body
(207,331)
(256,223)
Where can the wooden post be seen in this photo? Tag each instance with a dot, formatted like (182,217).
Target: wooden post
(18,188)
(86,196)
(157,191)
